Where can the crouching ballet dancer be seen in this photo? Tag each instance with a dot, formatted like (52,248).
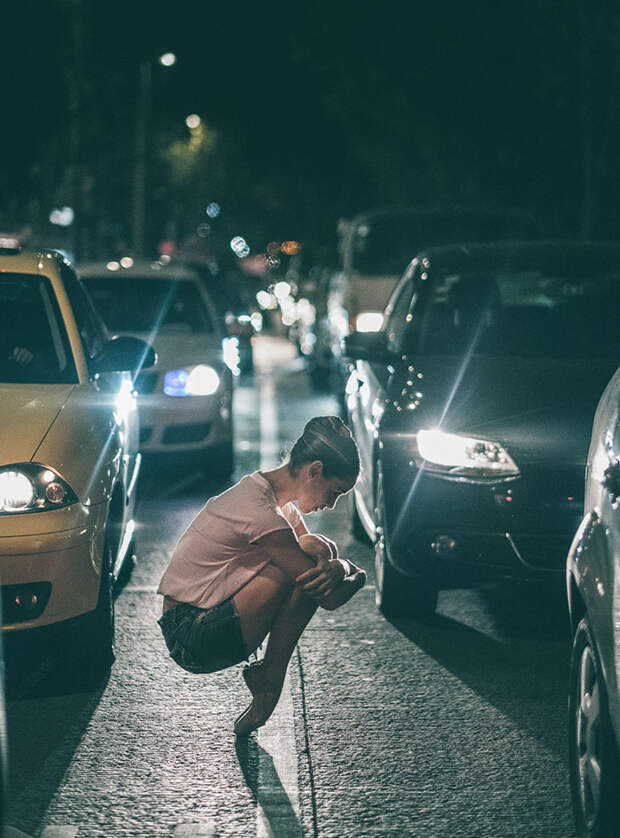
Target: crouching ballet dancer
(247,566)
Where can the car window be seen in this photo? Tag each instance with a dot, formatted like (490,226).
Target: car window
(34,347)
(143,304)
(396,322)
(521,313)
(91,329)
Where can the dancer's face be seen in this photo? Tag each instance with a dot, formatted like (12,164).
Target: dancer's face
(317,492)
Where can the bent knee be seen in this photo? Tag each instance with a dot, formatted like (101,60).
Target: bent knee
(314,546)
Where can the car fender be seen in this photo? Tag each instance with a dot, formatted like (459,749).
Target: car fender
(591,575)
(86,443)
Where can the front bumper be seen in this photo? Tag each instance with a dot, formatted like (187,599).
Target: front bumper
(188,424)
(50,565)
(470,530)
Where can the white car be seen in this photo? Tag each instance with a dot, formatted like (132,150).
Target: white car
(69,456)
(593,579)
(186,402)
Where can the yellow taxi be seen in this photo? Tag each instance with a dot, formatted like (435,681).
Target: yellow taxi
(69,457)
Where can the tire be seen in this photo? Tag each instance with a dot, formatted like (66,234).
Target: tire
(124,574)
(397,595)
(97,642)
(219,461)
(592,745)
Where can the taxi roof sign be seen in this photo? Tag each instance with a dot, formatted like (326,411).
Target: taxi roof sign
(9,244)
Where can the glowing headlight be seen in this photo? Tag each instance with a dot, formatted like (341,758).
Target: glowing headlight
(201,380)
(16,491)
(369,321)
(455,454)
(28,487)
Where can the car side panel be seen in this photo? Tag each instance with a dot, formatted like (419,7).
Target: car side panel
(90,438)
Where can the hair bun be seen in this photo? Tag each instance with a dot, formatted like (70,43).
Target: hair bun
(328,439)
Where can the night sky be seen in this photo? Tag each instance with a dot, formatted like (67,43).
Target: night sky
(310,114)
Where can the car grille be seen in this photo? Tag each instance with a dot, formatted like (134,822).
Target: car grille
(179,434)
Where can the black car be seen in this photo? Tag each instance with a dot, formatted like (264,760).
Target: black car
(472,409)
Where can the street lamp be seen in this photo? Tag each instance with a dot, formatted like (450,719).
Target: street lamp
(140,139)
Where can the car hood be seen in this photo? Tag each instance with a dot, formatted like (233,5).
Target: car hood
(180,349)
(541,409)
(27,411)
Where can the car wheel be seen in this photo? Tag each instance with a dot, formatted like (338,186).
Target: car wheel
(398,595)
(219,461)
(124,574)
(98,650)
(593,753)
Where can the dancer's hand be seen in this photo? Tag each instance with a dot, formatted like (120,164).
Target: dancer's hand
(320,581)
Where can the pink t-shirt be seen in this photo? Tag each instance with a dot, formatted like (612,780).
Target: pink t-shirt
(217,554)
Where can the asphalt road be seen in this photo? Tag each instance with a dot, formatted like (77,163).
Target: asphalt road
(454,727)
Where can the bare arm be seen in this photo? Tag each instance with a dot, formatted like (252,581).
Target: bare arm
(317,575)
(292,557)
(312,581)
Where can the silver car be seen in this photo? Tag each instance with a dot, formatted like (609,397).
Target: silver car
(593,579)
(186,401)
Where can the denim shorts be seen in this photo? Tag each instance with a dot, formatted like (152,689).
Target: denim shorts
(203,640)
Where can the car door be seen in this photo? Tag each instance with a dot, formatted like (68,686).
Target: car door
(368,388)
(123,413)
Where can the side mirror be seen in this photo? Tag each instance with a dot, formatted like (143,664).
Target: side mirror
(124,353)
(367,346)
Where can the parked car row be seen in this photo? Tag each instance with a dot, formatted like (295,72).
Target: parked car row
(473,410)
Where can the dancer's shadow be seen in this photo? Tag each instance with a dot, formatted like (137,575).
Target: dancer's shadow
(261,777)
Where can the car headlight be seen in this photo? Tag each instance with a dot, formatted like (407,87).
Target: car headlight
(29,487)
(462,455)
(369,321)
(200,380)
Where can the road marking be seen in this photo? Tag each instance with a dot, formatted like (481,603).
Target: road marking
(52,831)
(268,423)
(195,830)
(278,809)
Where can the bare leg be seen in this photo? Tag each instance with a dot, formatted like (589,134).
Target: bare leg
(292,618)
(269,603)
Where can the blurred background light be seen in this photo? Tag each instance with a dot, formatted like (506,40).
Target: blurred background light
(291,248)
(213,209)
(63,217)
(192,121)
(113,266)
(369,321)
(266,300)
(167,59)
(126,262)
(239,246)
(281,290)
(203,230)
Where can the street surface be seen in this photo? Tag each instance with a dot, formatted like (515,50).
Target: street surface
(454,727)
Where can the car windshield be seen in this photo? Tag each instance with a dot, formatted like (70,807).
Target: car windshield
(529,314)
(34,348)
(385,244)
(136,304)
